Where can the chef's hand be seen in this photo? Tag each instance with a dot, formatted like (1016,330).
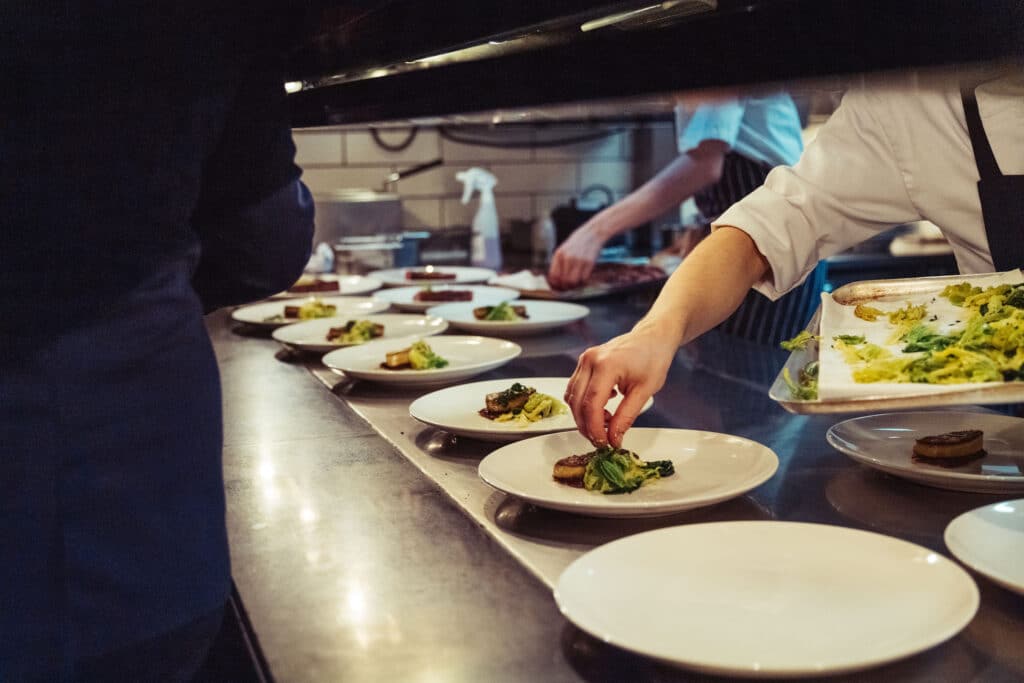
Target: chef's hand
(574,259)
(637,363)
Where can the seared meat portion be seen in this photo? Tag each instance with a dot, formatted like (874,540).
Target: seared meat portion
(571,470)
(510,400)
(950,444)
(482,312)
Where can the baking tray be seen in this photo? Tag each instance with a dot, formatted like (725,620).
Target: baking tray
(883,290)
(597,290)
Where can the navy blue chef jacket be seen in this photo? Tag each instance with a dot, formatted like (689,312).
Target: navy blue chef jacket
(146,175)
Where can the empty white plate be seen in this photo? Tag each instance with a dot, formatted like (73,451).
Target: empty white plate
(886,441)
(455,410)
(766,599)
(990,540)
(543,316)
(403,298)
(709,468)
(399,277)
(311,335)
(347,284)
(346,306)
(466,356)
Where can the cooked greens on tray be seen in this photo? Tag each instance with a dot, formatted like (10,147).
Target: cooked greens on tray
(976,335)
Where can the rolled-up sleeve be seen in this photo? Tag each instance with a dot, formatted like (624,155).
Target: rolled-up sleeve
(846,188)
(718,121)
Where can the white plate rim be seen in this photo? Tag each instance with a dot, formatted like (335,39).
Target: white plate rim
(280,303)
(575,312)
(970,558)
(436,328)
(495,434)
(369,284)
(425,377)
(639,508)
(940,637)
(992,482)
(389,277)
(391,295)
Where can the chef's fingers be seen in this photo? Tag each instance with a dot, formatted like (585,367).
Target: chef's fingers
(556,272)
(577,387)
(578,272)
(595,396)
(632,403)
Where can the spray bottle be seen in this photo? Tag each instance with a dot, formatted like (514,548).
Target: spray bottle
(485,249)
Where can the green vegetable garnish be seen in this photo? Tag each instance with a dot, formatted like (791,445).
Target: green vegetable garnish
(852,339)
(805,388)
(799,342)
(867,313)
(502,311)
(422,357)
(617,470)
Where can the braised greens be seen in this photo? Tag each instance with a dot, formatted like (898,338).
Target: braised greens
(617,470)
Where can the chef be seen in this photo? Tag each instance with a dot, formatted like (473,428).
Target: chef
(947,149)
(726,148)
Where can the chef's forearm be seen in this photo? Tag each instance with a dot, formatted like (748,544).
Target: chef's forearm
(707,287)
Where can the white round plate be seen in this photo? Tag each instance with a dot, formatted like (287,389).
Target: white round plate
(709,468)
(311,335)
(483,295)
(766,599)
(347,306)
(466,356)
(990,540)
(456,409)
(885,442)
(396,277)
(544,315)
(347,284)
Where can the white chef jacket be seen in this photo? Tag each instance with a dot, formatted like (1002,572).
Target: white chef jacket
(892,153)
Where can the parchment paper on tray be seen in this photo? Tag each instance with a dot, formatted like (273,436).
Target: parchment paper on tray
(835,379)
(839,393)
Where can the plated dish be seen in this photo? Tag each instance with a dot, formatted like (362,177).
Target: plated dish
(312,335)
(465,356)
(767,599)
(457,410)
(990,540)
(329,284)
(419,298)
(425,275)
(911,343)
(886,442)
(271,314)
(709,468)
(510,319)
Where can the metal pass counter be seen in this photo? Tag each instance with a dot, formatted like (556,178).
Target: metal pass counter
(365,548)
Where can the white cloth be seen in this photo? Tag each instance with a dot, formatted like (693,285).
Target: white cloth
(765,129)
(892,153)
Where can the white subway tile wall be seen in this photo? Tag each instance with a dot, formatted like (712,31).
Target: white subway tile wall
(531,180)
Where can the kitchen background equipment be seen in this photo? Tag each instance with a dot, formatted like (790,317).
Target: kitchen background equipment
(356,212)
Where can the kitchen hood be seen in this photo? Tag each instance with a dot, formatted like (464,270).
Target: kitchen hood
(408,60)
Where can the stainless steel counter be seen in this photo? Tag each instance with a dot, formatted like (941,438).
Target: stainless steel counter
(355,566)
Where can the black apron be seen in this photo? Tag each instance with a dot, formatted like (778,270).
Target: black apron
(758,319)
(740,177)
(1002,196)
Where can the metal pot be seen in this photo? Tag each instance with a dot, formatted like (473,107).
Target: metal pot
(356,212)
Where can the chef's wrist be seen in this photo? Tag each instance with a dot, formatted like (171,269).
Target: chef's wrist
(668,328)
